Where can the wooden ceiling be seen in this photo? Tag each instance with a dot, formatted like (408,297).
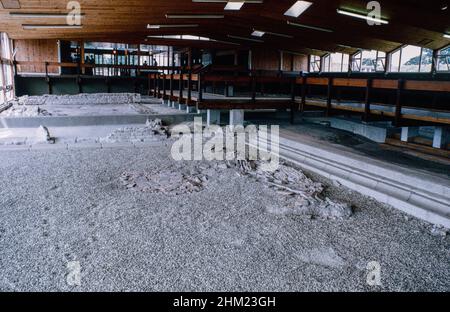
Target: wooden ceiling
(415,22)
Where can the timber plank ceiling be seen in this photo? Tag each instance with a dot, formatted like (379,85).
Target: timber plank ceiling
(413,22)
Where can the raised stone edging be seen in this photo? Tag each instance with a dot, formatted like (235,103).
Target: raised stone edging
(77,121)
(421,195)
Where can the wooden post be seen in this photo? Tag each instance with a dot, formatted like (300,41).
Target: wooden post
(180,96)
(164,86)
(190,58)
(367,100)
(154,84)
(253,82)
(200,89)
(82,56)
(150,84)
(293,107)
(171,86)
(158,94)
(47,78)
(189,86)
(304,91)
(329,96)
(158,85)
(79,82)
(138,70)
(398,102)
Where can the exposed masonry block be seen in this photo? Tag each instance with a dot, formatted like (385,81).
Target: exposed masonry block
(409,133)
(441,137)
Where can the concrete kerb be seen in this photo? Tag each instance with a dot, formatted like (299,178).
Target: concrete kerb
(77,121)
(423,196)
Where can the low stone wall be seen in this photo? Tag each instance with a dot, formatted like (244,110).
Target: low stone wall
(80,99)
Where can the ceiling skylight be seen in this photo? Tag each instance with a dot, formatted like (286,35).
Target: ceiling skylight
(298,8)
(234,5)
(257,33)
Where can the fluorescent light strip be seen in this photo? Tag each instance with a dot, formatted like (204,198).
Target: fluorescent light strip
(447,36)
(194,16)
(257,33)
(362,16)
(234,5)
(172,26)
(298,8)
(261,33)
(29,26)
(309,27)
(244,38)
(40,15)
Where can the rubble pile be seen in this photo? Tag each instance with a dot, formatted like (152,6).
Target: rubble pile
(174,181)
(151,132)
(301,195)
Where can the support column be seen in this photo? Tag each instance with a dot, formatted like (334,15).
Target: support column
(213,117)
(236,117)
(82,56)
(441,137)
(409,133)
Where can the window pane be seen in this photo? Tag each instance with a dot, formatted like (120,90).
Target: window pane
(356,62)
(337,62)
(410,59)
(426,61)
(345,63)
(395,62)
(326,64)
(443,62)
(314,65)
(369,61)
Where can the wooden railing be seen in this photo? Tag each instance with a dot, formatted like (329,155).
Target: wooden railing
(163,85)
(81,66)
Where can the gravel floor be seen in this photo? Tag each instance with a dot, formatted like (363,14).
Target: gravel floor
(62,206)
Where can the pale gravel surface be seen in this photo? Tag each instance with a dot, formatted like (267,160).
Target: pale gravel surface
(60,206)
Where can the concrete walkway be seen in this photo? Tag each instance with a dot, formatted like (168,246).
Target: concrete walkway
(425,195)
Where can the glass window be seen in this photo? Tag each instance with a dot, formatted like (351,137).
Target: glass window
(395,62)
(381,62)
(336,62)
(443,60)
(368,61)
(314,63)
(411,59)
